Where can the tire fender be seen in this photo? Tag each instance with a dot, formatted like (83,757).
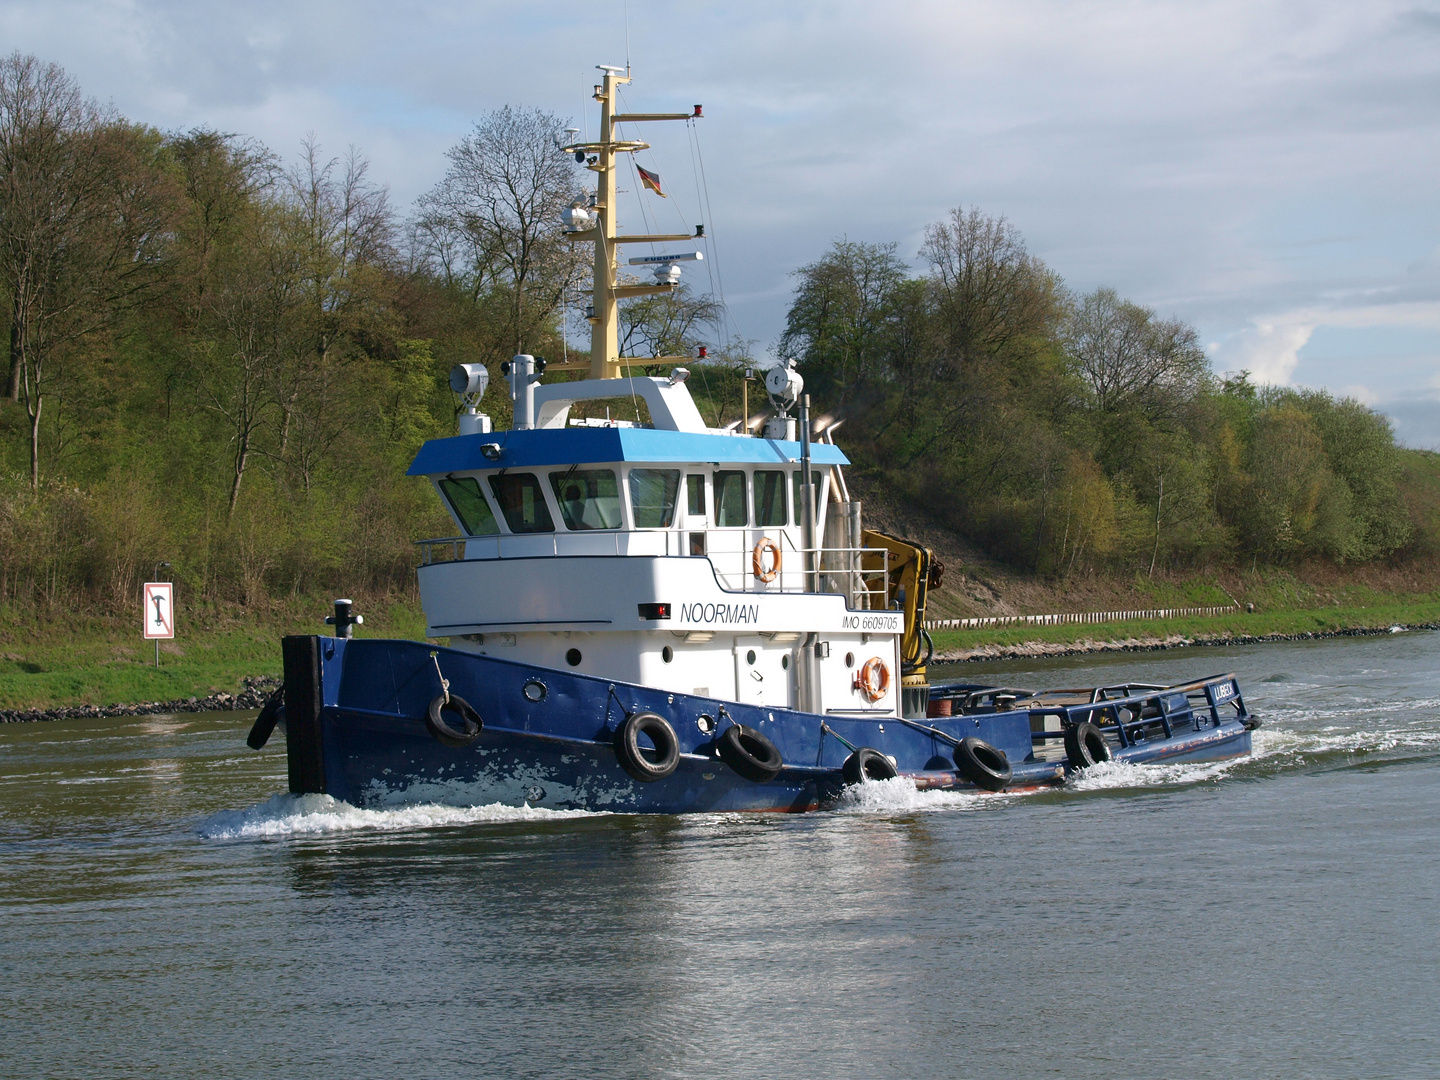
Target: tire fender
(644,765)
(1085,745)
(867,764)
(750,753)
(443,732)
(983,765)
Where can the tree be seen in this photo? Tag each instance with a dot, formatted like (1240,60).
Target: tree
(1128,357)
(492,230)
(993,298)
(840,326)
(85,213)
(666,324)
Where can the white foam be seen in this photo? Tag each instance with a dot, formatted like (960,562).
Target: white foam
(901,793)
(1109,775)
(314,815)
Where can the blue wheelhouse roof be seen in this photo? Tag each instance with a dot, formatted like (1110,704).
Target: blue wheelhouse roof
(571,446)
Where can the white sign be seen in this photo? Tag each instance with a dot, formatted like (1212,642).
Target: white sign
(159,615)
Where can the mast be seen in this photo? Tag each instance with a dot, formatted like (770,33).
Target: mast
(600,158)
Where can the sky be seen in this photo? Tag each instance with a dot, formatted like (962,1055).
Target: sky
(1264,170)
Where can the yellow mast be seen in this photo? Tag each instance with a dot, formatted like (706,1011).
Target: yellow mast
(605,359)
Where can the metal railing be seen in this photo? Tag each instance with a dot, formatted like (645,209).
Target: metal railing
(1077,617)
(1126,716)
(860,574)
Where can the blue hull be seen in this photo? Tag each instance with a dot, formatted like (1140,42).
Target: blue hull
(355,730)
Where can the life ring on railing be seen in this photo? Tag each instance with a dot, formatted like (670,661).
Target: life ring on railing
(873,680)
(757,559)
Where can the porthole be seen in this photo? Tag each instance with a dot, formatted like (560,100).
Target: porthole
(706,724)
(849,659)
(750,657)
(534,690)
(667,654)
(785,661)
(573,657)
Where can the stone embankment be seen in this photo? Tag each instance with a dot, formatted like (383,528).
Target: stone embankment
(255,689)
(1031,649)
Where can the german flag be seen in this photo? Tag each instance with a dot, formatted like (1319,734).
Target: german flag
(651,180)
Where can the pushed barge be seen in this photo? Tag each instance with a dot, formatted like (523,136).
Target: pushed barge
(673,617)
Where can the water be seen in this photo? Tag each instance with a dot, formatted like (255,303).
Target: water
(163,911)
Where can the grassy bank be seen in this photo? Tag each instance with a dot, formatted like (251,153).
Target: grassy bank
(46,663)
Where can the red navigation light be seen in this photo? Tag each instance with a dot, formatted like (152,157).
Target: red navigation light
(697,110)
(654,611)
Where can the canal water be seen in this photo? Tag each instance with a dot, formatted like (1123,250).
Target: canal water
(166,911)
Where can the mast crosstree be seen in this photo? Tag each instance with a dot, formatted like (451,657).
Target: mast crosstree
(600,157)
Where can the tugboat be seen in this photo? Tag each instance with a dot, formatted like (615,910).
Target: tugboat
(672,617)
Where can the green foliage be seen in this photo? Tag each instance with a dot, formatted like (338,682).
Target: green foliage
(1071,434)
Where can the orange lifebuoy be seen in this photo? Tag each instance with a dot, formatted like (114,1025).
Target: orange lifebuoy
(757,559)
(873,680)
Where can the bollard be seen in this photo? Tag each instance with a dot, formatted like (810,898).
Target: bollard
(343,621)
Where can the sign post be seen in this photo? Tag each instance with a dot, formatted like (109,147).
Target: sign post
(158,614)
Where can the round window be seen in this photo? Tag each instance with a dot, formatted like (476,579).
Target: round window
(750,657)
(785,661)
(849,659)
(667,654)
(573,657)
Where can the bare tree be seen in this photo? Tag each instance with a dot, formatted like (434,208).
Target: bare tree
(84,217)
(493,224)
(666,325)
(342,236)
(1128,356)
(992,295)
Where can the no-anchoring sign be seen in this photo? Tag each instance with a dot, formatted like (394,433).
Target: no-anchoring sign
(159,615)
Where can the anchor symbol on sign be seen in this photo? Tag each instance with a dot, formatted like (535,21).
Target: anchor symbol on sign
(159,620)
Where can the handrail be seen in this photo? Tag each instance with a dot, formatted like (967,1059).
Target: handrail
(1098,711)
(860,595)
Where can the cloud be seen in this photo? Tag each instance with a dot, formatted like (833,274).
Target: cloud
(1269,350)
(1258,167)
(1270,347)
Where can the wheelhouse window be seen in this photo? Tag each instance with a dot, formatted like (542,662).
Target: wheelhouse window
(695,495)
(522,501)
(798,486)
(588,498)
(468,501)
(652,497)
(769,497)
(729,499)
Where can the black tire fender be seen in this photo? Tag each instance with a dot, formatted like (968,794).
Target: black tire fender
(866,764)
(443,732)
(265,723)
(1085,745)
(983,765)
(647,766)
(750,753)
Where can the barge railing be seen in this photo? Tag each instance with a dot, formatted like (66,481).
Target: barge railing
(1199,703)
